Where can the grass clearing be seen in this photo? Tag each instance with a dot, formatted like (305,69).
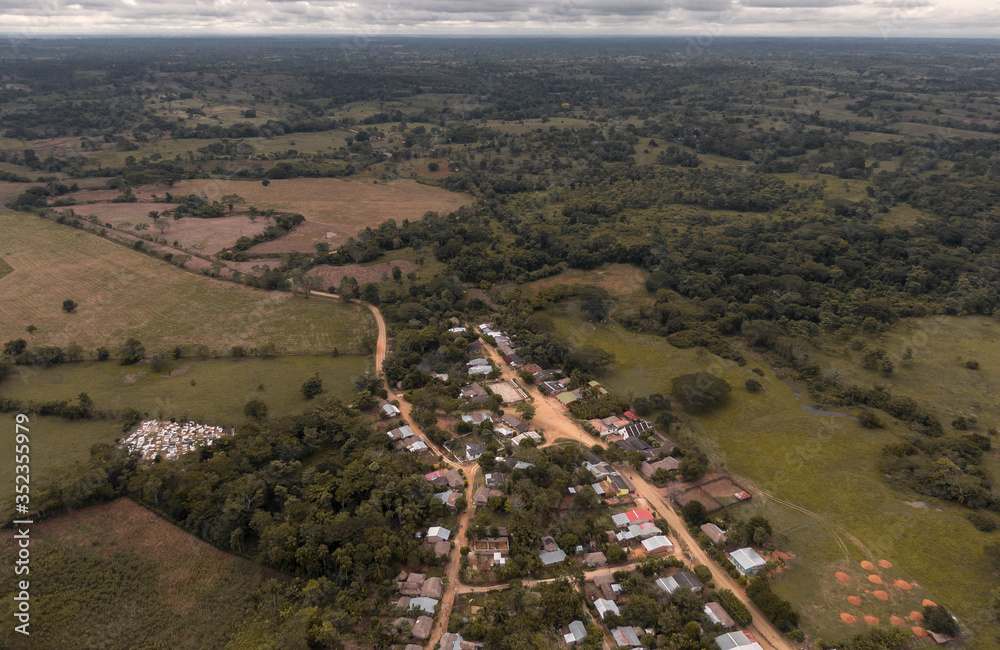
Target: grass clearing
(116,575)
(123,293)
(212,391)
(825,466)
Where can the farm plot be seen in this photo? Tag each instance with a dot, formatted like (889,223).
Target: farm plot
(347,205)
(122,293)
(207,236)
(117,576)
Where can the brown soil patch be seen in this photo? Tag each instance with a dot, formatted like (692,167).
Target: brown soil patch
(208,236)
(871,620)
(919,631)
(867,566)
(928,603)
(854,600)
(94,195)
(875,579)
(180,371)
(10,191)
(881,595)
(902,584)
(885,564)
(916,616)
(332,275)
(847,618)
(843,577)
(303,239)
(781,556)
(347,205)
(131,378)
(895,620)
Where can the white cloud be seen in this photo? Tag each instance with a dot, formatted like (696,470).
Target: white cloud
(561,17)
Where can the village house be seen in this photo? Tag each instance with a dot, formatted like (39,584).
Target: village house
(527,435)
(603,606)
(577,632)
(447,497)
(552,558)
(623,519)
(669,464)
(474,450)
(388,409)
(437,534)
(682,579)
(401,433)
(736,641)
(636,444)
(482,495)
(477,418)
(627,637)
(718,615)
(619,486)
(634,428)
(658,544)
(714,533)
(595,559)
(514,422)
(474,392)
(747,560)
(549,544)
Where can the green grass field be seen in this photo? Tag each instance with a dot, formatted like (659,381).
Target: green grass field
(824,465)
(220,389)
(122,293)
(117,576)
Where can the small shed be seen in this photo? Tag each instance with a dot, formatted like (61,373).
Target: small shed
(714,533)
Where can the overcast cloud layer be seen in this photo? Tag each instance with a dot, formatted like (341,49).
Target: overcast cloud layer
(880,18)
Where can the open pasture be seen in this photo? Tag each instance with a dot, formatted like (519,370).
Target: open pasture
(348,205)
(117,576)
(816,478)
(122,293)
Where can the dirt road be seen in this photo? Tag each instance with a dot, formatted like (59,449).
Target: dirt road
(558,424)
(461,539)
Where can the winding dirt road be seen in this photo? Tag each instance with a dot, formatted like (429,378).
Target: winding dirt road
(556,424)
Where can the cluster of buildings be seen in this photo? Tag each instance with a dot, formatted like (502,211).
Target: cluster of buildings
(406,439)
(419,597)
(503,343)
(171,439)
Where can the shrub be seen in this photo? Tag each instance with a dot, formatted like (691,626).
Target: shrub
(255,409)
(778,610)
(753,386)
(869,419)
(940,620)
(699,391)
(68,306)
(703,573)
(312,387)
(734,607)
(972,365)
(131,352)
(982,521)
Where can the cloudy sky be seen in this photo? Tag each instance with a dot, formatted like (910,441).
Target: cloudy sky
(700,18)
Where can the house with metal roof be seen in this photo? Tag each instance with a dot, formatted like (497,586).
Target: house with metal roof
(423,604)
(577,632)
(678,580)
(714,533)
(736,641)
(747,560)
(625,637)
(437,534)
(552,558)
(718,615)
(658,544)
(603,606)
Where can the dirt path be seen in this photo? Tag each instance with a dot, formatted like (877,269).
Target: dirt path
(461,539)
(558,424)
